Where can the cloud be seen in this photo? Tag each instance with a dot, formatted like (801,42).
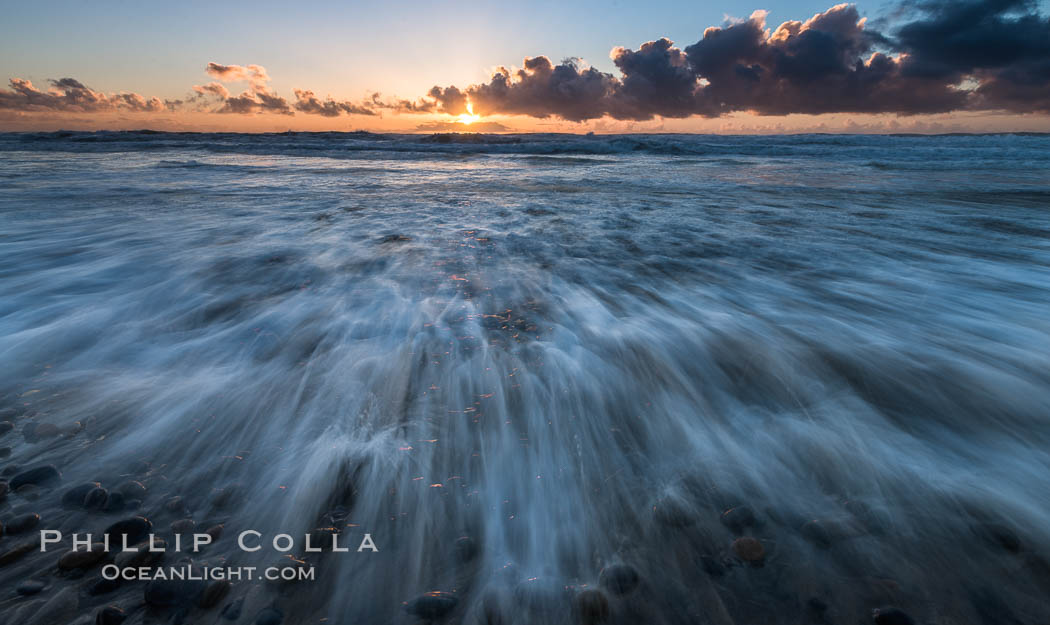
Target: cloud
(975,54)
(70,95)
(307,102)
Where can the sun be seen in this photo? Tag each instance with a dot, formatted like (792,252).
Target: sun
(469,117)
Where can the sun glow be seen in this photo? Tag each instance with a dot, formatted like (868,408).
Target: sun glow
(469,117)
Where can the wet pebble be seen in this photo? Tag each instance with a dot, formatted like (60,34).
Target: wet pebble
(183,526)
(5,452)
(28,491)
(36,433)
(269,616)
(431,605)
(175,505)
(592,606)
(30,587)
(999,535)
(22,523)
(132,490)
(891,616)
(214,593)
(82,558)
(96,498)
(143,556)
(17,552)
(619,579)
(232,611)
(74,497)
(135,529)
(114,502)
(40,476)
(466,549)
(6,427)
(673,512)
(4,488)
(110,615)
(749,549)
(101,586)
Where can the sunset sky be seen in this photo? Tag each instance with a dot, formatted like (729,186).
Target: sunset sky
(931,66)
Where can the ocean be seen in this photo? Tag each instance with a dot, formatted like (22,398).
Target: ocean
(555,378)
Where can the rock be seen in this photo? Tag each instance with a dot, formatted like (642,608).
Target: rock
(4,488)
(6,427)
(142,557)
(5,452)
(22,523)
(132,490)
(466,549)
(139,467)
(817,533)
(175,505)
(183,526)
(738,519)
(40,476)
(225,497)
(82,558)
(95,499)
(41,432)
(30,587)
(749,549)
(15,553)
(432,605)
(619,579)
(28,491)
(135,529)
(74,497)
(592,606)
(269,616)
(999,535)
(673,512)
(114,502)
(232,611)
(59,609)
(166,593)
(215,531)
(713,566)
(214,593)
(891,616)
(110,615)
(10,469)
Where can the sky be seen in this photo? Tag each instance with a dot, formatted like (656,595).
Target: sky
(975,65)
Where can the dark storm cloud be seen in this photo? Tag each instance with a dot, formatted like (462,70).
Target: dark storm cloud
(70,95)
(977,54)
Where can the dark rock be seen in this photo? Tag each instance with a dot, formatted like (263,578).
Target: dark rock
(110,615)
(817,533)
(4,488)
(28,491)
(165,593)
(891,616)
(10,469)
(232,611)
(738,519)
(74,497)
(225,497)
(132,490)
(214,593)
(395,238)
(22,523)
(713,566)
(139,467)
(17,552)
(466,549)
(592,606)
(101,586)
(82,558)
(175,505)
(40,476)
(431,605)
(999,535)
(269,616)
(215,531)
(136,529)
(749,549)
(41,432)
(183,526)
(142,556)
(5,452)
(619,579)
(95,499)
(673,512)
(114,503)
(132,504)
(30,587)
(6,427)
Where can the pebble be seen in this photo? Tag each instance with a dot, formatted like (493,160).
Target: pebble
(39,476)
(114,502)
(110,615)
(592,606)
(95,499)
(215,531)
(5,427)
(999,535)
(269,616)
(432,605)
(82,558)
(466,549)
(74,497)
(132,490)
(5,452)
(214,593)
(15,553)
(174,505)
(891,616)
(10,469)
(30,587)
(817,533)
(136,529)
(142,557)
(749,549)
(41,432)
(619,579)
(101,586)
(183,526)
(22,523)
(4,488)
(28,491)
(738,519)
